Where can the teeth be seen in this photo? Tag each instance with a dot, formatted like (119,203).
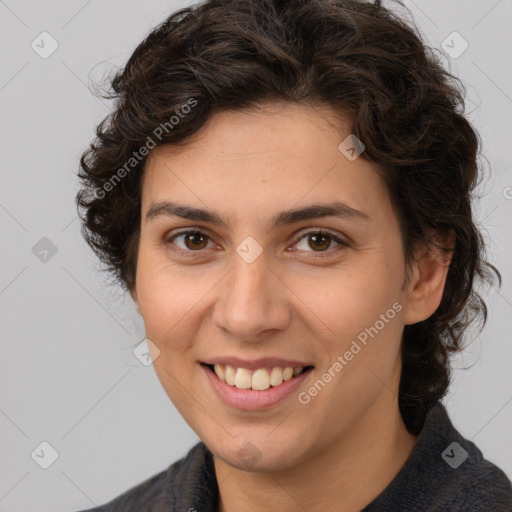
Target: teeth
(260,379)
(287,373)
(229,375)
(218,370)
(276,376)
(243,378)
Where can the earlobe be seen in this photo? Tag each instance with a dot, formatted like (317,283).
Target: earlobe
(428,280)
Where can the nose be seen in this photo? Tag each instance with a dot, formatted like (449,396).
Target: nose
(252,300)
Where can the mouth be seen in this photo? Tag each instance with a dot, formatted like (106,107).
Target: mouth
(259,379)
(246,397)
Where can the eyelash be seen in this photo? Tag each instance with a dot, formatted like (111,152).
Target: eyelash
(168,240)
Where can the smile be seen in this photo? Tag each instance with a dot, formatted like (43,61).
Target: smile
(259,379)
(254,389)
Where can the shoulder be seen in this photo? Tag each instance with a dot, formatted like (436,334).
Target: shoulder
(137,496)
(479,486)
(445,473)
(164,490)
(466,481)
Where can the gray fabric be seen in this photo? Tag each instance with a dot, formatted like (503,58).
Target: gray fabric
(426,483)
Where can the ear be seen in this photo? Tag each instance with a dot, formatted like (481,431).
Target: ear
(426,286)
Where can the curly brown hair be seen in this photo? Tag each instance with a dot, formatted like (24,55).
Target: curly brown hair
(361,59)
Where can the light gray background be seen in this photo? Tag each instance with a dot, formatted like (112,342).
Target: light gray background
(68,375)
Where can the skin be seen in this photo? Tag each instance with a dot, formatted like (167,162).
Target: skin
(342,449)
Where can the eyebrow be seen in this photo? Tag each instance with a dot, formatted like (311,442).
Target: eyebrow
(314,211)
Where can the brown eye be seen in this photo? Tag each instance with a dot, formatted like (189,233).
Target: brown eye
(319,241)
(193,240)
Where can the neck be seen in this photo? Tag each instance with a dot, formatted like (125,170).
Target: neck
(351,472)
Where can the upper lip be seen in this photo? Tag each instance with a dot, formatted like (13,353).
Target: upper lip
(262,362)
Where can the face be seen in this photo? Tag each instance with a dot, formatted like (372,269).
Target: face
(269,289)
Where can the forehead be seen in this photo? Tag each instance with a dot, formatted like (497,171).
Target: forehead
(257,160)
(287,129)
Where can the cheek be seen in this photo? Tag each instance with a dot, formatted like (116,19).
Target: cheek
(168,295)
(353,298)
(360,314)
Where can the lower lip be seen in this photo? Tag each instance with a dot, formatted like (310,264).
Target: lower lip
(249,399)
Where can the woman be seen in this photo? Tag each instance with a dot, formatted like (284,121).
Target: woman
(285,190)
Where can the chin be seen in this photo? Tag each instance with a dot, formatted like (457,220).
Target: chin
(264,452)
